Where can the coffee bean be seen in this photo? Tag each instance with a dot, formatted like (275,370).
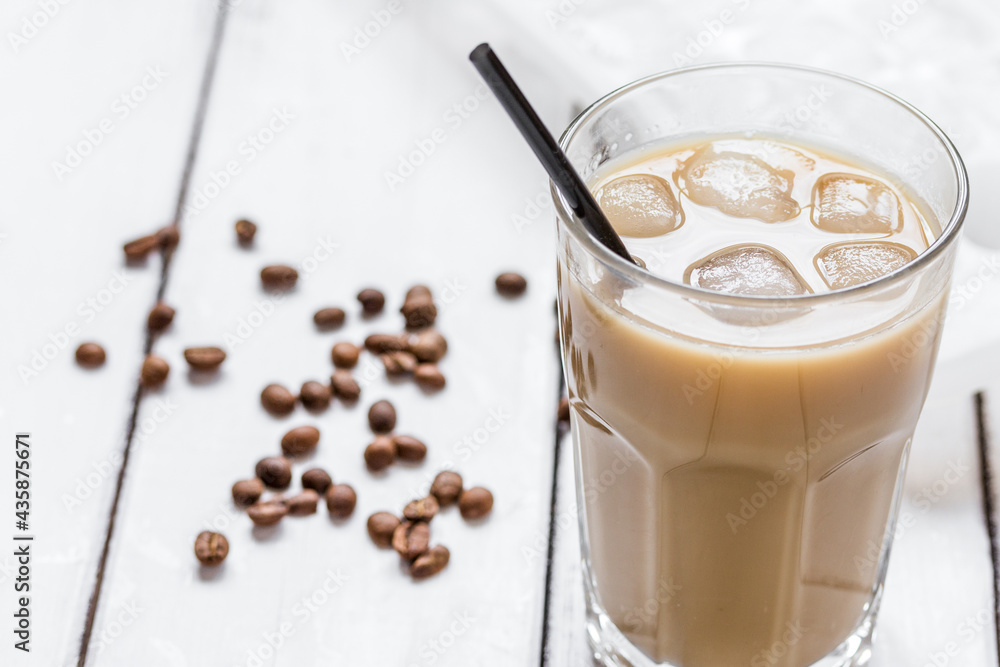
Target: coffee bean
(160,317)
(511,284)
(372,301)
(398,364)
(380,454)
(345,355)
(422,509)
(382,343)
(428,346)
(411,539)
(154,371)
(419,311)
(90,355)
(316,479)
(409,448)
(277,400)
(278,278)
(302,504)
(475,503)
(430,563)
(429,376)
(329,318)
(211,548)
(344,386)
(168,237)
(341,500)
(382,417)
(447,487)
(267,513)
(204,358)
(247,491)
(274,471)
(245,231)
(563,413)
(315,396)
(300,440)
(139,248)
(381,526)
(418,292)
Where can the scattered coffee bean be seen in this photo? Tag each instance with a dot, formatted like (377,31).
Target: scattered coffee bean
(160,317)
(429,376)
(168,237)
(447,487)
(247,491)
(430,563)
(380,454)
(418,292)
(382,417)
(344,386)
(341,500)
(382,343)
(329,318)
(563,412)
(428,346)
(381,526)
(278,278)
(90,355)
(245,231)
(274,471)
(511,284)
(345,355)
(372,301)
(302,503)
(411,538)
(409,448)
(211,548)
(315,396)
(422,509)
(316,479)
(204,358)
(398,364)
(277,400)
(419,310)
(154,371)
(475,503)
(267,513)
(139,248)
(300,440)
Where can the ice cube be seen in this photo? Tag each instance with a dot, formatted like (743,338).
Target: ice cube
(751,270)
(847,264)
(641,205)
(740,185)
(848,204)
(776,155)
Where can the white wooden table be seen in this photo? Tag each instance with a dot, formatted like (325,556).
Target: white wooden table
(121,116)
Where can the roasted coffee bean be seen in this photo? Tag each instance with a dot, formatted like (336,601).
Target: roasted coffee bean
(90,355)
(419,311)
(300,440)
(247,491)
(380,454)
(139,248)
(409,448)
(398,364)
(245,231)
(341,500)
(382,343)
(329,318)
(447,487)
(160,317)
(381,526)
(430,563)
(204,358)
(154,371)
(345,355)
(511,284)
(475,503)
(422,509)
(428,346)
(274,471)
(382,417)
(278,278)
(315,396)
(563,413)
(372,301)
(411,538)
(429,376)
(418,292)
(302,503)
(168,237)
(344,386)
(316,479)
(277,400)
(211,548)
(267,513)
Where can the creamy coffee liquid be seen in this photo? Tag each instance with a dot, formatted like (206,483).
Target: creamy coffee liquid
(736,499)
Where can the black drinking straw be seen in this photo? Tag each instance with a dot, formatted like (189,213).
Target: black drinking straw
(546,149)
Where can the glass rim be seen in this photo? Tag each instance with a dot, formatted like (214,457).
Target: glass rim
(595,248)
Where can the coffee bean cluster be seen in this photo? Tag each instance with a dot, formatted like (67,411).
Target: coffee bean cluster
(164,239)
(388,447)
